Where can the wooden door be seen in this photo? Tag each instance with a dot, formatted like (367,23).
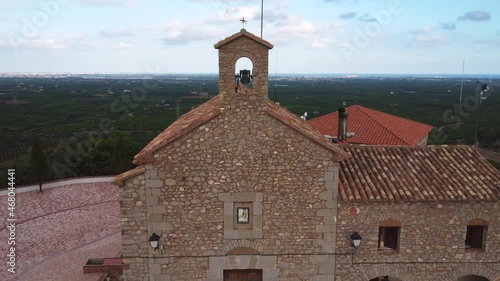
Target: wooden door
(243,275)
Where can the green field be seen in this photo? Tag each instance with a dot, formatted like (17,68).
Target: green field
(71,110)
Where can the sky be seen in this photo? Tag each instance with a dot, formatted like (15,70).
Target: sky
(313,36)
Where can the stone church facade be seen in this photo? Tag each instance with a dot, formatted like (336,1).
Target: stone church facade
(238,151)
(241,189)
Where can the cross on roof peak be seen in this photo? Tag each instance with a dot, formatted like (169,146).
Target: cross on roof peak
(243,21)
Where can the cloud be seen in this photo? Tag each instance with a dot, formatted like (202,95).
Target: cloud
(475,16)
(114,3)
(39,43)
(367,18)
(489,42)
(15,41)
(231,11)
(448,25)
(115,33)
(297,28)
(294,27)
(233,14)
(9,18)
(122,45)
(425,30)
(347,16)
(322,43)
(348,1)
(275,15)
(181,33)
(325,43)
(429,40)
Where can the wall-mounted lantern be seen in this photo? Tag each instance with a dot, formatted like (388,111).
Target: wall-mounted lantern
(154,240)
(356,239)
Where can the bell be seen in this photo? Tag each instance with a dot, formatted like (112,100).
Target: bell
(245,76)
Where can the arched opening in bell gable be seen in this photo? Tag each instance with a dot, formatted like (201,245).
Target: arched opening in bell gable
(385,278)
(243,74)
(472,278)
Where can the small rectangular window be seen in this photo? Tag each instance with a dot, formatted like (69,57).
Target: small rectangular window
(388,238)
(475,236)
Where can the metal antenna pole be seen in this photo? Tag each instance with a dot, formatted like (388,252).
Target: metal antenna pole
(476,144)
(276,78)
(462,82)
(261,18)
(461,91)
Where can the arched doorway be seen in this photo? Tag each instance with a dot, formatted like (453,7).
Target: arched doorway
(385,278)
(472,278)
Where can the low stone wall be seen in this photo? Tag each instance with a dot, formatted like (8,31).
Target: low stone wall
(46,185)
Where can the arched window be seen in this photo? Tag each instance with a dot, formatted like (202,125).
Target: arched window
(475,238)
(388,235)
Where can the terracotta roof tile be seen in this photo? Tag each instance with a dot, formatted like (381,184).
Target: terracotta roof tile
(373,127)
(417,173)
(187,122)
(245,33)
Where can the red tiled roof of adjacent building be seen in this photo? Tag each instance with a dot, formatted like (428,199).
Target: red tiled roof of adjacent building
(417,173)
(245,33)
(211,109)
(373,127)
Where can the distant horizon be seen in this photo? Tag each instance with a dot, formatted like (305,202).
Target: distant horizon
(465,75)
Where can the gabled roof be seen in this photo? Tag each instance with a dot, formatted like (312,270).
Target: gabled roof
(373,127)
(212,108)
(417,173)
(207,111)
(187,122)
(245,33)
(304,128)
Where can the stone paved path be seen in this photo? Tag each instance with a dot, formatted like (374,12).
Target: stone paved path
(59,229)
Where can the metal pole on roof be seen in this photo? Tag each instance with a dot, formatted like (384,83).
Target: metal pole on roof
(261,18)
(461,91)
(476,143)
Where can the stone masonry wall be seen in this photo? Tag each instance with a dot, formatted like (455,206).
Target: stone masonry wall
(135,248)
(431,241)
(242,150)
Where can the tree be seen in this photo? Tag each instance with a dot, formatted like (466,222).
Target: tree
(38,161)
(124,150)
